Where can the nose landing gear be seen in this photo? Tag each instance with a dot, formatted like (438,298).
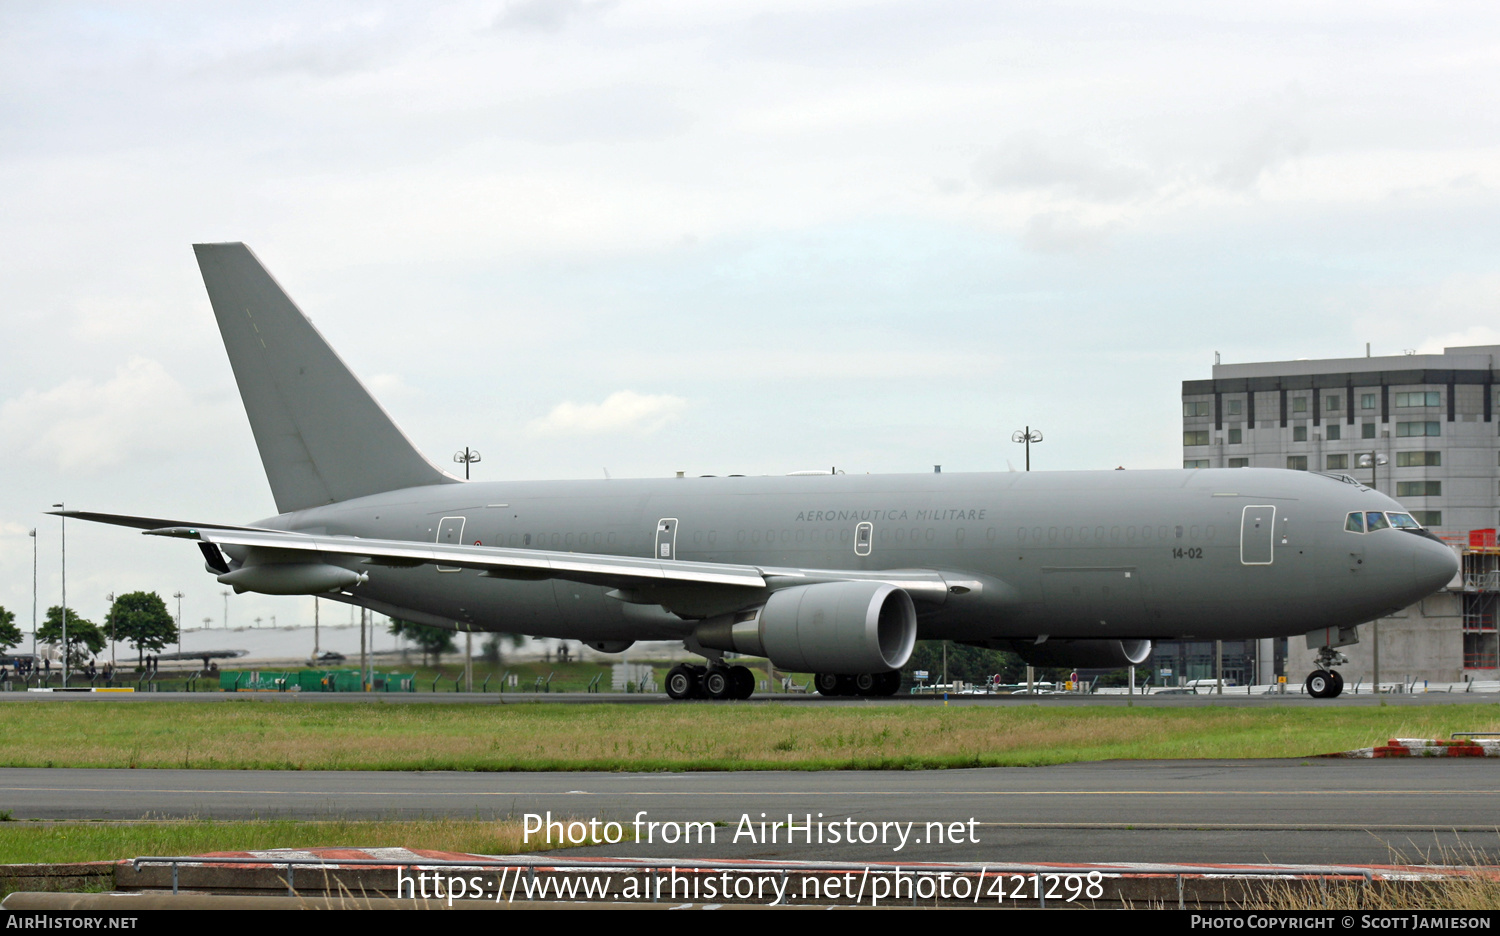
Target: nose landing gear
(1325,682)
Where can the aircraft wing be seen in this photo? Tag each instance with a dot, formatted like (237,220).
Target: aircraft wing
(620,572)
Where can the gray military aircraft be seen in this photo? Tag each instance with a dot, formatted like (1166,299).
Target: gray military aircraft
(832,574)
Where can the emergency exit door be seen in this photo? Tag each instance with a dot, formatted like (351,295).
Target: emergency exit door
(450,532)
(666,538)
(1257,535)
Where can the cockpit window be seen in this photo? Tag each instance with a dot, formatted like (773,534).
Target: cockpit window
(1403,521)
(1355,522)
(1375,520)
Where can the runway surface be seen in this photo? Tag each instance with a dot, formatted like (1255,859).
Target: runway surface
(616,698)
(1314,811)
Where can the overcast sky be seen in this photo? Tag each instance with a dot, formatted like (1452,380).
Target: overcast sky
(581,235)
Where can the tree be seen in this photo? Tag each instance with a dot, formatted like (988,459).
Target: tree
(10,634)
(432,641)
(143,619)
(84,637)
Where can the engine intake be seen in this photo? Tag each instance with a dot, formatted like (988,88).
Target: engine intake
(1088,654)
(845,628)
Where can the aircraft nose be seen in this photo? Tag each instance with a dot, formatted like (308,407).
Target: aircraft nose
(1433,565)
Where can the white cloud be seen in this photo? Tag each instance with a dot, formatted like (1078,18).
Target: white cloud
(85,425)
(625,411)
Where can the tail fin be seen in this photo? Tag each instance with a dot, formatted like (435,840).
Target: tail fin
(322,437)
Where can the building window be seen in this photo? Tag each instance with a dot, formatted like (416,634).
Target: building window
(1195,463)
(1367,401)
(1334,432)
(1405,429)
(1196,437)
(1299,433)
(1419,398)
(1239,463)
(1338,462)
(1419,459)
(1419,489)
(1195,408)
(1333,402)
(1428,518)
(1236,436)
(1236,407)
(1367,431)
(1299,404)
(1297,462)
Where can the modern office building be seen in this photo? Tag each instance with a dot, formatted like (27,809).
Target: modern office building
(1418,427)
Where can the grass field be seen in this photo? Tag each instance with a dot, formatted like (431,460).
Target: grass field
(53,843)
(541,736)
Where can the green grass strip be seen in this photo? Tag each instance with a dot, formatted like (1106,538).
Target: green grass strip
(54,843)
(361,736)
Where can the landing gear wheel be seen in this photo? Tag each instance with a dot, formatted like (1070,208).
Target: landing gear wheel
(682,682)
(828,684)
(865,683)
(718,683)
(887,684)
(744,682)
(1320,684)
(1338,685)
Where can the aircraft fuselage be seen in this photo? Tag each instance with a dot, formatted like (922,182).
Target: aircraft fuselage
(1207,554)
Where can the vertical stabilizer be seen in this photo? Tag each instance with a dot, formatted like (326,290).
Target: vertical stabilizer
(322,437)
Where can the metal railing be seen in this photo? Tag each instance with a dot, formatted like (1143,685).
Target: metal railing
(530,866)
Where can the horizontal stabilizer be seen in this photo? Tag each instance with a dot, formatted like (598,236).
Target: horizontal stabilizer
(146,523)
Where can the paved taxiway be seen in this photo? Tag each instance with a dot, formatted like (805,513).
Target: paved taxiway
(1315,811)
(586,698)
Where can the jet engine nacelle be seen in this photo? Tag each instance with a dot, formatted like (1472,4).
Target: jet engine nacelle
(1083,654)
(845,628)
(291,578)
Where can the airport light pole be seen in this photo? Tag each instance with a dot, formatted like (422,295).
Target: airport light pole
(466,458)
(1027,436)
(225,593)
(111,599)
(178,596)
(33,596)
(64,594)
(1372,461)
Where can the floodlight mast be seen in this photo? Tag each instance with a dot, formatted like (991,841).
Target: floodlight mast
(1027,436)
(466,458)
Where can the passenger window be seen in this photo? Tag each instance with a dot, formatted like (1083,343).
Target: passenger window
(528,539)
(611,539)
(1161,532)
(1355,522)
(989,534)
(959,536)
(739,536)
(1021,535)
(930,533)
(900,535)
(1375,520)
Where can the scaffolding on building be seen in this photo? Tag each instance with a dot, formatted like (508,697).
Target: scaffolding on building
(1481,600)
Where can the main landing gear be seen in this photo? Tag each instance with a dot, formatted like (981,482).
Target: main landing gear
(863,684)
(686,681)
(1325,682)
